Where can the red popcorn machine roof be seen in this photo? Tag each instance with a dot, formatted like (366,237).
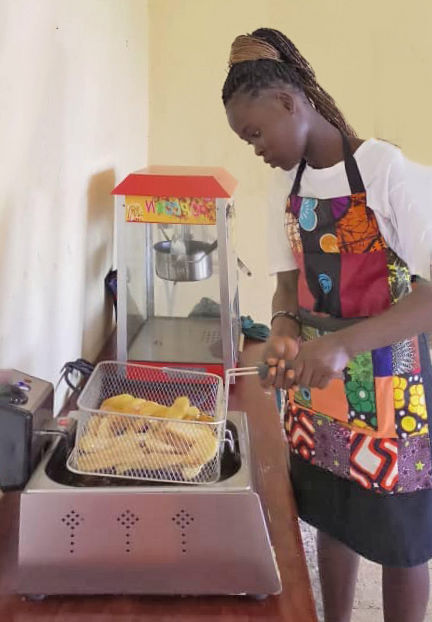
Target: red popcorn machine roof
(178,181)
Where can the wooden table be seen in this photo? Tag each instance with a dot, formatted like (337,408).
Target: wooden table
(295,604)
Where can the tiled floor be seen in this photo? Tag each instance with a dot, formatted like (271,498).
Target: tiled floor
(367,603)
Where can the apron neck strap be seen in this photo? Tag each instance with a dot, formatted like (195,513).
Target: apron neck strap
(296,185)
(352,170)
(354,178)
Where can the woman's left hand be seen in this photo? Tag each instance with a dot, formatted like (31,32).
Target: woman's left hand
(320,360)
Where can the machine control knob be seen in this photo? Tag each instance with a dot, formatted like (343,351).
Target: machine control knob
(11,394)
(17,396)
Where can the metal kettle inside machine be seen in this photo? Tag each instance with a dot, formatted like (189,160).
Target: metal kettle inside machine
(184,259)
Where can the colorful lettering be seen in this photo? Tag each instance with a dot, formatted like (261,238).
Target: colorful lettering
(171,210)
(150,206)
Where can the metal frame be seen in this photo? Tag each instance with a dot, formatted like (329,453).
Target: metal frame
(228,289)
(121,280)
(227,336)
(149,269)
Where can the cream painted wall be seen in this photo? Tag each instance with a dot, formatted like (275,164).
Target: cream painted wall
(373,56)
(73,122)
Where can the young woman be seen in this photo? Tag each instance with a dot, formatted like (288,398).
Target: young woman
(347,331)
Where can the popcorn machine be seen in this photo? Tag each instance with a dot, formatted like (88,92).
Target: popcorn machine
(177,287)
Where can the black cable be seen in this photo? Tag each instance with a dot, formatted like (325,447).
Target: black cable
(81,366)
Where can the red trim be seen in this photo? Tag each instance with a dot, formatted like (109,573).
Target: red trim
(178,181)
(208,368)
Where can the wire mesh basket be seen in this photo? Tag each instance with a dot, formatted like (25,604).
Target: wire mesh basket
(151,423)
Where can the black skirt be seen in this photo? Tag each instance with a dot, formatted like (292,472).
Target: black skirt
(392,530)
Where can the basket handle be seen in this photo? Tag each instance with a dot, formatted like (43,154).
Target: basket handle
(261,369)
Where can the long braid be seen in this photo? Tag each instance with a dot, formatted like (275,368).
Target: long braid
(254,75)
(321,100)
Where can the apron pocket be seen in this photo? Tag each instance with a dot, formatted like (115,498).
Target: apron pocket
(363,401)
(381,395)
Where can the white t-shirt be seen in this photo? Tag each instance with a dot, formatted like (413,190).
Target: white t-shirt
(397,190)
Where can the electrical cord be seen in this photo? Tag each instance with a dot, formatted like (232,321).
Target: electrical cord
(83,367)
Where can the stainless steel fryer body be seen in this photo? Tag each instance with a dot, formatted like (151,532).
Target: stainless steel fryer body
(209,539)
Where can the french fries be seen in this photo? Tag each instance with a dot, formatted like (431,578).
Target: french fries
(130,445)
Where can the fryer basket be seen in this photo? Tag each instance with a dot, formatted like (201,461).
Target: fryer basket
(147,447)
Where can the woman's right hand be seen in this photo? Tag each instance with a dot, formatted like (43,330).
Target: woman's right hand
(277,350)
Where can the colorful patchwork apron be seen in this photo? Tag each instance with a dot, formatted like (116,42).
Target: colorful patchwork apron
(368,433)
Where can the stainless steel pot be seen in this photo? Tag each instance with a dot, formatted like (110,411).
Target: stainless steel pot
(195,265)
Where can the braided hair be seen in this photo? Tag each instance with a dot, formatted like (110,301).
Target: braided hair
(251,76)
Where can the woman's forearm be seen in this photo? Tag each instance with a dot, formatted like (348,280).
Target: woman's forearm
(410,316)
(285,299)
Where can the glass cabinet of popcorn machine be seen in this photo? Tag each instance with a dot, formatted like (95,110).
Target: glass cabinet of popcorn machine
(177,289)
